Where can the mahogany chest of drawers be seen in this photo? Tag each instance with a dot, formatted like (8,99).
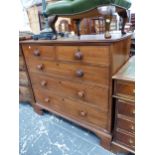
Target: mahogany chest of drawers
(124,96)
(73,79)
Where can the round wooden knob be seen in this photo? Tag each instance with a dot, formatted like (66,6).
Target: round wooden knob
(36,52)
(81,94)
(132,127)
(83,113)
(47,100)
(131,141)
(43,83)
(78,55)
(40,66)
(133,112)
(79,73)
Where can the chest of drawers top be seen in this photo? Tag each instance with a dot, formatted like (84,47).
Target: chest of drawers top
(85,51)
(127,72)
(89,39)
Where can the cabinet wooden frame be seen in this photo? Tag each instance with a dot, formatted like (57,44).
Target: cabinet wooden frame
(118,53)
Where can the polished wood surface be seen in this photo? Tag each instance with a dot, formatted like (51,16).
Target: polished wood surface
(120,52)
(126,124)
(70,107)
(39,52)
(124,89)
(73,78)
(97,96)
(125,108)
(78,72)
(125,139)
(82,40)
(127,72)
(124,103)
(84,54)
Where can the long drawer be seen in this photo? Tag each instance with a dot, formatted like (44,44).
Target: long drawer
(97,75)
(125,139)
(124,89)
(85,54)
(93,95)
(71,108)
(125,108)
(125,124)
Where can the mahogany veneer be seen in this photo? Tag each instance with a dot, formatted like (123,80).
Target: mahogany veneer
(124,95)
(73,78)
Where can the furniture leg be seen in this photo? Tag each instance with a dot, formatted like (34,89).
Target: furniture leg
(105,140)
(37,109)
(124,17)
(51,22)
(77,22)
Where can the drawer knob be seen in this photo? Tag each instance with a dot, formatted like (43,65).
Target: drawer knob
(78,55)
(36,52)
(82,113)
(131,141)
(79,73)
(134,91)
(132,127)
(81,94)
(43,83)
(47,100)
(40,67)
(133,112)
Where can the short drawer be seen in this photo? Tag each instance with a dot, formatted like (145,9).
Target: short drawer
(39,52)
(125,139)
(94,95)
(76,110)
(125,124)
(97,75)
(124,89)
(125,108)
(84,54)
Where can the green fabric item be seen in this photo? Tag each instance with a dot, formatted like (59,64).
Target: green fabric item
(69,7)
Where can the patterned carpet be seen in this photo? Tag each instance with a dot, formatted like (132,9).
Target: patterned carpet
(52,135)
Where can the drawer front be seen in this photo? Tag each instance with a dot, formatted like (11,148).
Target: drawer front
(125,108)
(85,54)
(39,52)
(124,138)
(97,75)
(72,108)
(97,96)
(125,89)
(125,124)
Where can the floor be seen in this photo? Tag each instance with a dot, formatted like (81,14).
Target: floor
(52,135)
